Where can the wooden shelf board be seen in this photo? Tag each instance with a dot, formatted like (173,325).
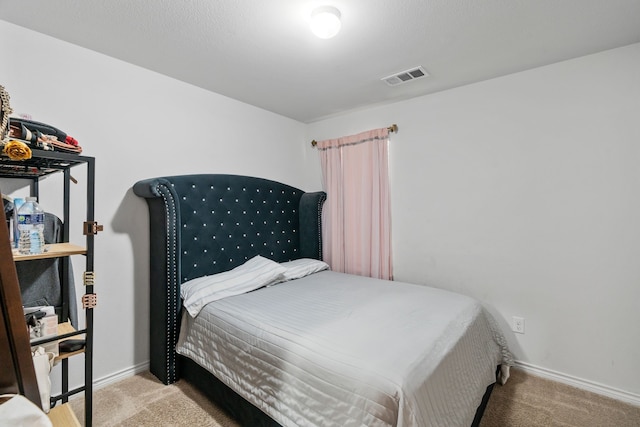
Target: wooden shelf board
(65,328)
(54,250)
(63,416)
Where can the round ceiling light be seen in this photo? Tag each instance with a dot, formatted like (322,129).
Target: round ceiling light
(325,22)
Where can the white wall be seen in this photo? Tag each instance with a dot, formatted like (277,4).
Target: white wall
(137,124)
(523,191)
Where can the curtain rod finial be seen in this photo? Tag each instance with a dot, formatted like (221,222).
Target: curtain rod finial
(314,143)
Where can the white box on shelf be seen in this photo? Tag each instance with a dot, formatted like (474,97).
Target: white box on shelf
(43,327)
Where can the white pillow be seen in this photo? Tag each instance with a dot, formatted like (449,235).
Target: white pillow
(253,274)
(302,267)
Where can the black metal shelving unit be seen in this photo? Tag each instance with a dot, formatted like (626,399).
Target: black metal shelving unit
(44,163)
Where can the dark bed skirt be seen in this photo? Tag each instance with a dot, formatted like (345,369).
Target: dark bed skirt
(244,412)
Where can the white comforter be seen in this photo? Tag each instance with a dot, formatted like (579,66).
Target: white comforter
(339,350)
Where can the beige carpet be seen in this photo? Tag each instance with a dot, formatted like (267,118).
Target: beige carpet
(142,400)
(525,401)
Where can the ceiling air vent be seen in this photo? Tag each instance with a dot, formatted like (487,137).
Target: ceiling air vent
(405,76)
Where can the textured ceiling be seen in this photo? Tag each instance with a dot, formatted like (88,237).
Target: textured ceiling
(262,52)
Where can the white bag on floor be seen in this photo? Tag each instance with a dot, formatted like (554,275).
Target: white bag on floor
(42,363)
(21,412)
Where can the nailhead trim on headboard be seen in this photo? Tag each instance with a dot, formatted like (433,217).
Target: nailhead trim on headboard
(321,201)
(172,274)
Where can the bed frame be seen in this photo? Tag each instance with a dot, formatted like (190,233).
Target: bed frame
(209,223)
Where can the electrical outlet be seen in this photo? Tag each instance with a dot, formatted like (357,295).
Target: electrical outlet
(518,325)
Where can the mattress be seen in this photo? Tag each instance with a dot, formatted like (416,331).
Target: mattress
(333,349)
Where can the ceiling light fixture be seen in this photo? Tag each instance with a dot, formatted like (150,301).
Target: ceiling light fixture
(325,22)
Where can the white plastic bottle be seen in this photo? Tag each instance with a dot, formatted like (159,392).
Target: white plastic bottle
(31,227)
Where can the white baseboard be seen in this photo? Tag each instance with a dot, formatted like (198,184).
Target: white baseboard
(121,375)
(601,389)
(112,378)
(593,387)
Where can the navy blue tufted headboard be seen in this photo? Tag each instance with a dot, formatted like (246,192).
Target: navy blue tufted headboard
(209,223)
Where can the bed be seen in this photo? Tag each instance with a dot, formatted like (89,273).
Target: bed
(319,348)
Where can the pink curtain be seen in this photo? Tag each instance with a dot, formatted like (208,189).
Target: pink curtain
(357,213)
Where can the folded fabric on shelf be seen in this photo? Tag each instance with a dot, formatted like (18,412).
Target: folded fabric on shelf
(33,127)
(42,136)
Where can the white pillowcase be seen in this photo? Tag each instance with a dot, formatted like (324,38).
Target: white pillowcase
(302,267)
(253,274)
